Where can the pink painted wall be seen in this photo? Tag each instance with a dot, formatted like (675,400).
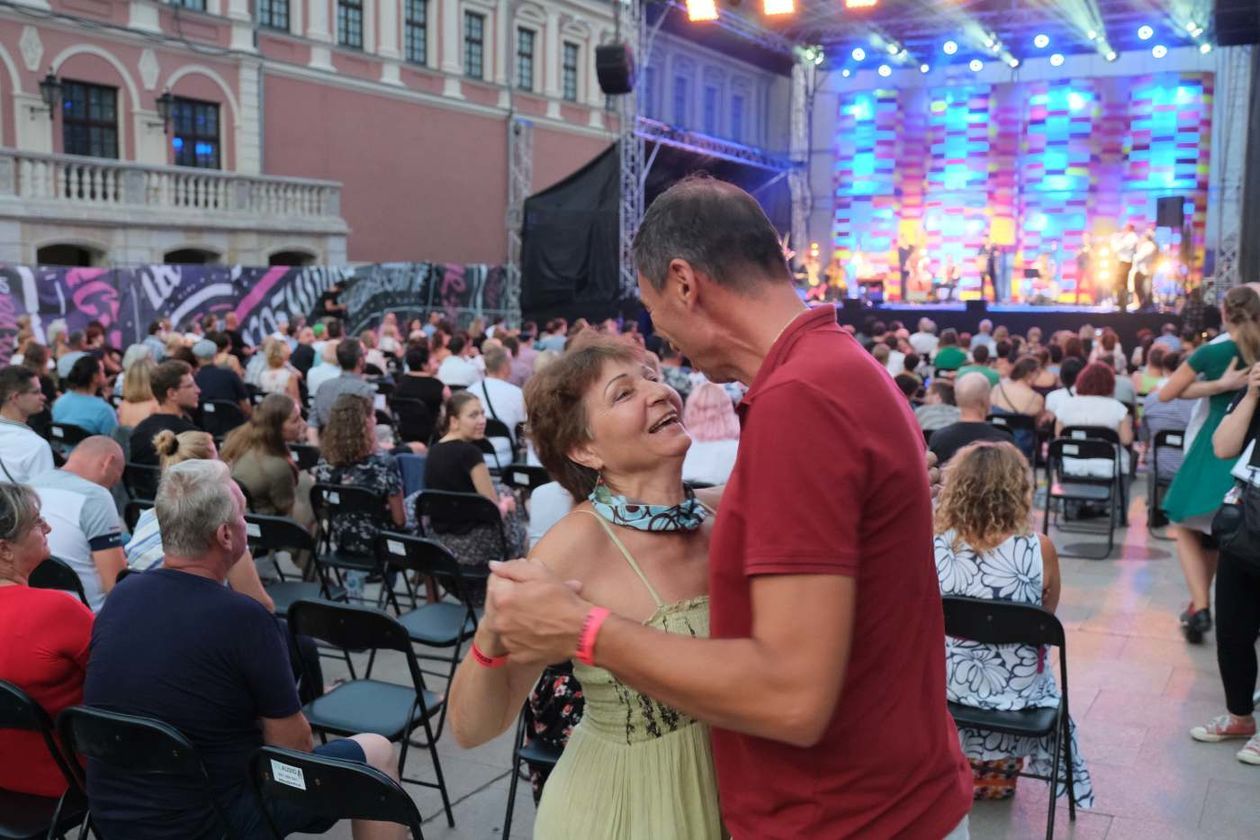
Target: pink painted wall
(420,182)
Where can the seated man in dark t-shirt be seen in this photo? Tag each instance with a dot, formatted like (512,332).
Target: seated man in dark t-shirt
(971,393)
(176,644)
(176,392)
(218,383)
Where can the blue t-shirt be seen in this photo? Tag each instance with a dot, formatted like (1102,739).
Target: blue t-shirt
(91,413)
(204,659)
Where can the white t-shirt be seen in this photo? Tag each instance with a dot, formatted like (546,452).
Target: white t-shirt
(710,461)
(896,362)
(924,343)
(508,402)
(1093,411)
(24,453)
(456,370)
(1055,399)
(547,505)
(83,519)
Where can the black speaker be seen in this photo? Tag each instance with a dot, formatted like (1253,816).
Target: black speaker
(614,65)
(1170,212)
(1237,22)
(977,307)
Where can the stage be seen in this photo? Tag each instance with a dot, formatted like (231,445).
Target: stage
(1016,317)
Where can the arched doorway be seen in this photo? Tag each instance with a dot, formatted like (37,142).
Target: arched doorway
(66,254)
(291,258)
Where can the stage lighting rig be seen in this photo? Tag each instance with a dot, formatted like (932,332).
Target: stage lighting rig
(1205,48)
(1056,60)
(1159,51)
(859,54)
(701,10)
(1145,33)
(949,47)
(775,8)
(885,70)
(976,65)
(1013,63)
(925,69)
(1041,41)
(860,4)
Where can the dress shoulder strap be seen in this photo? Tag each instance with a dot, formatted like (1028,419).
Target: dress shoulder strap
(625,552)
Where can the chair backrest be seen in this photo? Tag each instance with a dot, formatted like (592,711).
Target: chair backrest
(249,497)
(347,626)
(276,533)
(306,455)
(445,506)
(1095,432)
(332,788)
(218,417)
(385,388)
(1011,422)
(66,435)
(1169,439)
(487,448)
(129,743)
(525,476)
(1082,448)
(18,710)
(141,480)
(427,557)
(415,421)
(497,429)
(55,573)
(131,513)
(346,498)
(1001,622)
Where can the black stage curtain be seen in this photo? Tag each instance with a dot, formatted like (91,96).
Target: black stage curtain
(569,238)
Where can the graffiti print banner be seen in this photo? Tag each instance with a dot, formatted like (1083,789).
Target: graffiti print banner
(127,300)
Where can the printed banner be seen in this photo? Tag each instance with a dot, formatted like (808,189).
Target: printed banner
(127,300)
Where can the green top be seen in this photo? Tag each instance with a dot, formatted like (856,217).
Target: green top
(950,358)
(1212,360)
(989,373)
(634,768)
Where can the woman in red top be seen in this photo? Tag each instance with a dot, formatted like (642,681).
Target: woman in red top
(46,635)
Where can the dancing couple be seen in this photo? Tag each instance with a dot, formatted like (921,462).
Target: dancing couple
(784,658)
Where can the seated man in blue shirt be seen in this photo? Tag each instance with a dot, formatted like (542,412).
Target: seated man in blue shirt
(176,644)
(79,405)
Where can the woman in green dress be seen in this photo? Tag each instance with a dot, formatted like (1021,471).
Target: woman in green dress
(1203,479)
(609,431)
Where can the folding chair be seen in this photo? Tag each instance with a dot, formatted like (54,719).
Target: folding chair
(141,480)
(135,745)
(533,754)
(1166,439)
(55,573)
(390,710)
(440,624)
(25,816)
(329,501)
(1006,623)
(331,788)
(132,512)
(384,387)
(63,437)
(1083,488)
(218,417)
(1111,436)
(1018,425)
(438,506)
(415,421)
(270,534)
(306,455)
(524,479)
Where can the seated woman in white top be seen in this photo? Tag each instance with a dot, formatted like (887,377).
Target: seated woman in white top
(280,377)
(709,417)
(1094,405)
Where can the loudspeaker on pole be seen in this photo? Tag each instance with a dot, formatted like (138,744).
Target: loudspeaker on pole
(614,67)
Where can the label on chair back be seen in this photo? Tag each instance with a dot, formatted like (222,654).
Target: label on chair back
(520,478)
(395,547)
(1071,449)
(253,529)
(208,408)
(288,775)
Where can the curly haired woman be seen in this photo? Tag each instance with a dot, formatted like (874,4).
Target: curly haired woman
(986,548)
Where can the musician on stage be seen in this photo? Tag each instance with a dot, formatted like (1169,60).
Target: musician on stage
(991,270)
(1084,266)
(1124,244)
(1144,268)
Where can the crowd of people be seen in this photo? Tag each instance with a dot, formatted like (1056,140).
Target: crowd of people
(711,484)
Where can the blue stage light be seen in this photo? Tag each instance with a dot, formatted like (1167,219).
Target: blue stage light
(950,47)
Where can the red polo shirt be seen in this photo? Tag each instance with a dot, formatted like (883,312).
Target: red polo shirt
(830,479)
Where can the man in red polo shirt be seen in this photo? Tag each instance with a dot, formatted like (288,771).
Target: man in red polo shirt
(824,678)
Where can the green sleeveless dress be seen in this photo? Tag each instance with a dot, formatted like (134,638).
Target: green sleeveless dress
(634,769)
(1203,479)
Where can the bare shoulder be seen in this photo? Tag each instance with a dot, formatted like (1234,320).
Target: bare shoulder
(566,547)
(1048,551)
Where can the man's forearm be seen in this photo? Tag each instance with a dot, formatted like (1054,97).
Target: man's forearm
(729,683)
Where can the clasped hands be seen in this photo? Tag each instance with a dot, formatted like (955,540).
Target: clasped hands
(531,613)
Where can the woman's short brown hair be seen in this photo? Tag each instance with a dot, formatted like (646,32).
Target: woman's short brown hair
(557,414)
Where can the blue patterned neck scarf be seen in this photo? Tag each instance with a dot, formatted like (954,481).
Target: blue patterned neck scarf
(686,516)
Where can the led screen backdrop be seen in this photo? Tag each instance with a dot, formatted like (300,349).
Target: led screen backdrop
(1048,169)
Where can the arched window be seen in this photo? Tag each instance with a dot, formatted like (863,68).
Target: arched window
(69,255)
(291,258)
(190,256)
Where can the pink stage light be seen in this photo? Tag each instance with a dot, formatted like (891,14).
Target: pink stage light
(779,7)
(702,10)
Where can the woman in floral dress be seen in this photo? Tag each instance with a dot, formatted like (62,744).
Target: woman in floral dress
(986,548)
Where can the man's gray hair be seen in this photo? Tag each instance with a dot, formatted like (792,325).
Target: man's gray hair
(193,499)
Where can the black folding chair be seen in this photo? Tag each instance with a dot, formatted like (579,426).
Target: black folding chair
(271,534)
(1020,426)
(498,430)
(1166,439)
(135,745)
(435,508)
(390,710)
(525,477)
(384,387)
(25,816)
(306,455)
(330,787)
(441,623)
(1006,623)
(533,754)
(132,512)
(218,417)
(63,437)
(1111,436)
(1083,489)
(141,480)
(55,573)
(329,501)
(415,421)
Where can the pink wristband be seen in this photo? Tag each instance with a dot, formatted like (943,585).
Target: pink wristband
(590,629)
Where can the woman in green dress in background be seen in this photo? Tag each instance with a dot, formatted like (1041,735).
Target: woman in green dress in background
(633,769)
(1203,479)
